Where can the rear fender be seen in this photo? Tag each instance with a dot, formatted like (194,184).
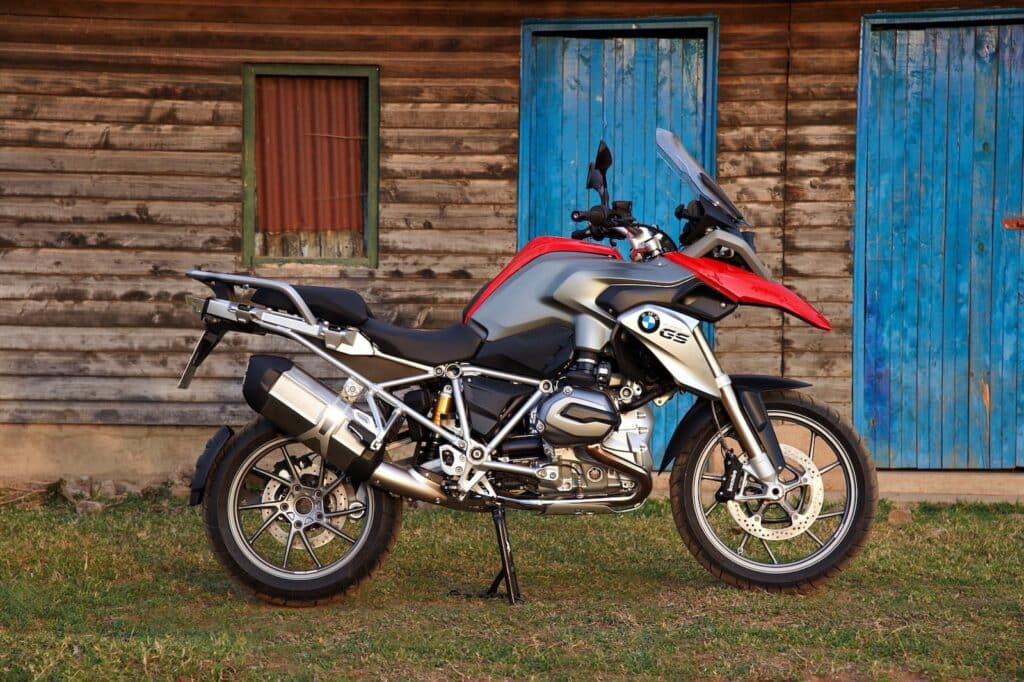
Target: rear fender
(749,388)
(211,452)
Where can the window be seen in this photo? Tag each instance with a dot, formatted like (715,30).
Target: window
(310,164)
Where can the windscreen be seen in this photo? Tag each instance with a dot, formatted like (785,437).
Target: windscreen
(671,149)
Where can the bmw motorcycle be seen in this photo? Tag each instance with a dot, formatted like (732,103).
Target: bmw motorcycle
(540,399)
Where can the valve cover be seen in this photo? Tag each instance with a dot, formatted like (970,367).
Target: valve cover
(577,416)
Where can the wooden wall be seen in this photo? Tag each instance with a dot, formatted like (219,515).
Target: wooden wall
(120,156)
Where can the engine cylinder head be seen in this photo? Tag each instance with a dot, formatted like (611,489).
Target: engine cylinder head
(577,416)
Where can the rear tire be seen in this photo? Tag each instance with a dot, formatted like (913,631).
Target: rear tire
(236,481)
(710,538)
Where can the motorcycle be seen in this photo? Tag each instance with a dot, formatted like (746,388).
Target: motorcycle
(540,399)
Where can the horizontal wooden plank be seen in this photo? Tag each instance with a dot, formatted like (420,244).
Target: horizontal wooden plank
(25,336)
(229,61)
(202,390)
(751,363)
(213,164)
(135,314)
(753,35)
(819,264)
(822,137)
(826,34)
(748,164)
(91,362)
(72,210)
(449,141)
(448,115)
(125,32)
(818,364)
(759,113)
(821,112)
(121,136)
(837,163)
(472,191)
(123,84)
(34,107)
(743,190)
(461,90)
(752,138)
(828,213)
(808,339)
(120,235)
(819,188)
(815,86)
(108,186)
(735,341)
(751,88)
(447,216)
(439,166)
(822,289)
(427,16)
(824,60)
(114,412)
(752,62)
(447,241)
(818,238)
(175,289)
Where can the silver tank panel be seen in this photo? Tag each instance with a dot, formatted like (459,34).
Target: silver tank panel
(563,287)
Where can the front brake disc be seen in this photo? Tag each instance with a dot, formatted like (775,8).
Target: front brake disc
(805,516)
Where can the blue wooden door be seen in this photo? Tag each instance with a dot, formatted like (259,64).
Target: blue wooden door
(585,83)
(938,353)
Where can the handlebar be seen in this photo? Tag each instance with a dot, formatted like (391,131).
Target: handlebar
(596,215)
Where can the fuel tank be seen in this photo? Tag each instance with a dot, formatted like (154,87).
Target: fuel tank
(562,287)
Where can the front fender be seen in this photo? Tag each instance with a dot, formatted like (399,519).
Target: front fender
(747,386)
(205,462)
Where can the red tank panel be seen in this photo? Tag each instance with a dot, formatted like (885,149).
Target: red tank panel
(535,249)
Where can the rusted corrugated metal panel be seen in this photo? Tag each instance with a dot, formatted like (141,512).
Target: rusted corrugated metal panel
(310,159)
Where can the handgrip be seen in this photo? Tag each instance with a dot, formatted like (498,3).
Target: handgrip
(581,234)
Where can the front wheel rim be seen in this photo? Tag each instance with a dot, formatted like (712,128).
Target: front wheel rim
(304,506)
(820,548)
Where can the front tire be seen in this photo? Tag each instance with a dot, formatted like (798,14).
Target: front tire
(288,526)
(800,542)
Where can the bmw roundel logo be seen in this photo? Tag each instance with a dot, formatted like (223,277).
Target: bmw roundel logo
(649,321)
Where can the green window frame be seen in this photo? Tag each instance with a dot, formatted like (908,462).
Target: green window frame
(249,75)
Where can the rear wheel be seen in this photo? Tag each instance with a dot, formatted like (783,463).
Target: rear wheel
(288,525)
(795,541)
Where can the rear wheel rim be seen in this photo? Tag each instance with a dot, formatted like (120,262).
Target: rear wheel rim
(765,556)
(283,494)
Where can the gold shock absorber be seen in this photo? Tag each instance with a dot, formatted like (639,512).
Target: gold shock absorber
(443,406)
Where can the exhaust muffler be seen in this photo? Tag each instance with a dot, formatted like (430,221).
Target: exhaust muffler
(305,408)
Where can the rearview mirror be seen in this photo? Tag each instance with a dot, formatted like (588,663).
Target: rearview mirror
(604,157)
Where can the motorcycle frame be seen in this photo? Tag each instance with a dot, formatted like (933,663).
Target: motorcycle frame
(305,326)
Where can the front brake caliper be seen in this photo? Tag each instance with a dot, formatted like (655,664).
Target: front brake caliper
(731,479)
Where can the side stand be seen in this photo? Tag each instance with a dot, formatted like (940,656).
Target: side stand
(508,566)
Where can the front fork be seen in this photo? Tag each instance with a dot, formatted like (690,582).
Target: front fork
(753,428)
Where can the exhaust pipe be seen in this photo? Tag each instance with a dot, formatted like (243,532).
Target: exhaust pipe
(303,407)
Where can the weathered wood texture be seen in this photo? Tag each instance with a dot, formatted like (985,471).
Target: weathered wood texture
(120,156)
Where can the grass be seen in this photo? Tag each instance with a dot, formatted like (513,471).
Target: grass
(135,592)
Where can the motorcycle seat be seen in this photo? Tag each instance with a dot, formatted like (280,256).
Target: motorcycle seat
(347,308)
(342,307)
(429,346)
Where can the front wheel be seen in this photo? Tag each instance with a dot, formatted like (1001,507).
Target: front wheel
(796,542)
